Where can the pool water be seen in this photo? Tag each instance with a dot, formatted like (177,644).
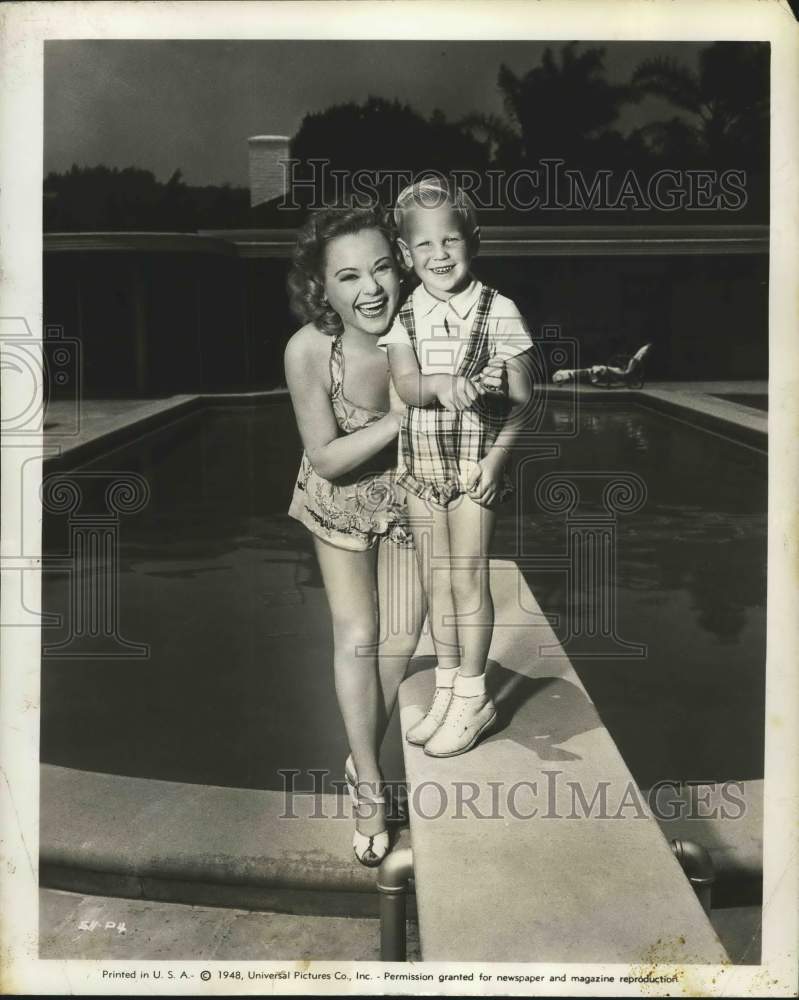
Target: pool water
(225,589)
(690,587)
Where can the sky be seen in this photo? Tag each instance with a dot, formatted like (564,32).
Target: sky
(164,105)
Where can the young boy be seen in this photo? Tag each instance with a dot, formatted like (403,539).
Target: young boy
(454,443)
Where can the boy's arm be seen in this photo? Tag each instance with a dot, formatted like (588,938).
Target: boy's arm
(508,338)
(485,480)
(520,390)
(412,387)
(452,391)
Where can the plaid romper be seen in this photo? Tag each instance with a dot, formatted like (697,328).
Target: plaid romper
(437,447)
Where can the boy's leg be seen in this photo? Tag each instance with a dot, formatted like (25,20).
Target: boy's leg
(471,528)
(431,538)
(470,712)
(430,530)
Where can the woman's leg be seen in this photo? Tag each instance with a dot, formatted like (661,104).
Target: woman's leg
(471,528)
(350,580)
(402,608)
(430,529)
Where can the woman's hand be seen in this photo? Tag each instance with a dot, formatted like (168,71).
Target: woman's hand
(455,392)
(485,480)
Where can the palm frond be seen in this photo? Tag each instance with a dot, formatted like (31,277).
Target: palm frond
(666,78)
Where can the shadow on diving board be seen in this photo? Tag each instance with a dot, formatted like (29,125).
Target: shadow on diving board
(516,855)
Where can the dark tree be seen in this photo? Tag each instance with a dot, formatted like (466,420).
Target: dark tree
(383,135)
(106,198)
(726,103)
(563,108)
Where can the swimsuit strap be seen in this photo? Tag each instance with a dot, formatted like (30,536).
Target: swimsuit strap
(336,367)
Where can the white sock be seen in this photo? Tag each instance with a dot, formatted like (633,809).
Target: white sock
(470,687)
(445,676)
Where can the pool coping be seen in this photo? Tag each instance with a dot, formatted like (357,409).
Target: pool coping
(145,416)
(694,403)
(146,838)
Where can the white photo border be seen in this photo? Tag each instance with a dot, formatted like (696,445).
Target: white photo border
(23,29)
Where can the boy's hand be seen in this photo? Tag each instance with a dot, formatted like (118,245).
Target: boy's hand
(484,482)
(494,377)
(455,392)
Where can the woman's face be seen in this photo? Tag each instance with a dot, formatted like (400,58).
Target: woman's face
(362,281)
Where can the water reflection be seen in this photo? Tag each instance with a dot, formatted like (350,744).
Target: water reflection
(691,585)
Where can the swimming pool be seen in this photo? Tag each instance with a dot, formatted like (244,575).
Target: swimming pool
(224,588)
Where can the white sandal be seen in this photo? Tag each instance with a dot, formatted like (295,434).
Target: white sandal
(370,849)
(397,798)
(351,778)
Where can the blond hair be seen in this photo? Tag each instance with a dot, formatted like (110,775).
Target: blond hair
(432,192)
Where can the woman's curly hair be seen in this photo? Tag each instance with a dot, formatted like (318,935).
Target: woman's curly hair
(306,278)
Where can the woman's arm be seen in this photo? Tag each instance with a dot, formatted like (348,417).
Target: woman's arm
(453,391)
(331,453)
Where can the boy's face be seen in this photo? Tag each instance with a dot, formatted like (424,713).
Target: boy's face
(437,248)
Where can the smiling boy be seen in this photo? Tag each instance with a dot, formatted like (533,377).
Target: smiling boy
(454,444)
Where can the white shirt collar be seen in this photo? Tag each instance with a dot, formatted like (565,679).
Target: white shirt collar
(461,303)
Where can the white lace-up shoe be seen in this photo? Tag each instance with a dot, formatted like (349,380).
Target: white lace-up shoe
(421,731)
(466,720)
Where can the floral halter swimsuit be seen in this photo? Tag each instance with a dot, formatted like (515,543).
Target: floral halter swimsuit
(354,511)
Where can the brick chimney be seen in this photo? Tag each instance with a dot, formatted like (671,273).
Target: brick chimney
(267,177)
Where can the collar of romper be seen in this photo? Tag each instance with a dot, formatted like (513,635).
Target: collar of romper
(461,304)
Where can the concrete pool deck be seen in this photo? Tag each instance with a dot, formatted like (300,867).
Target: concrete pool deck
(141,838)
(534,876)
(74,926)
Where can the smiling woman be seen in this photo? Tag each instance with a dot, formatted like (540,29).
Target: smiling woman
(345,283)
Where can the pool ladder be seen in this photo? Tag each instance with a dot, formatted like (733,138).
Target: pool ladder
(697,864)
(393,882)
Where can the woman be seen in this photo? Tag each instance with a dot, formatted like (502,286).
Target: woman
(345,284)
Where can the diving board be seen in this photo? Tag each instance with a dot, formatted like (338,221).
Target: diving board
(496,882)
